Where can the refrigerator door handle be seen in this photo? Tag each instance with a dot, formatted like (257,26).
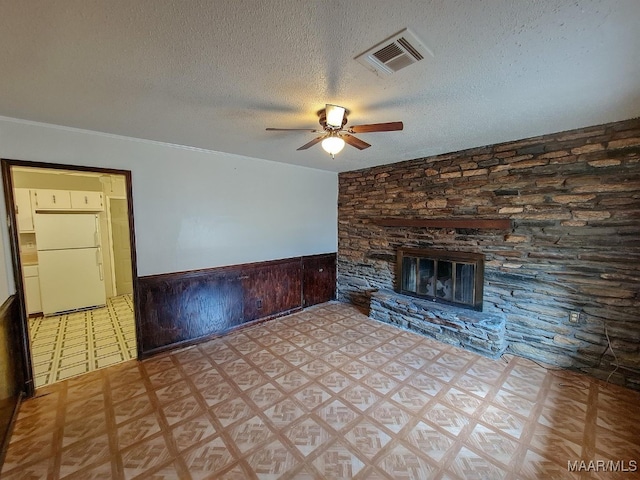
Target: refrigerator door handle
(99,262)
(97,231)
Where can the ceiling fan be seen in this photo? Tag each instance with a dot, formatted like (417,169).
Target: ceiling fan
(333,119)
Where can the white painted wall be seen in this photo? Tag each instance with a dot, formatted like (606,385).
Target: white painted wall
(192,208)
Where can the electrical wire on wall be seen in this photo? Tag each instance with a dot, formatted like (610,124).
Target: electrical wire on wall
(609,347)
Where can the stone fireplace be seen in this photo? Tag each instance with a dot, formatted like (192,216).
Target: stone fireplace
(439,294)
(570,245)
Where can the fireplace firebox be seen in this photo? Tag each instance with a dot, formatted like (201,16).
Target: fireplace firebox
(443,276)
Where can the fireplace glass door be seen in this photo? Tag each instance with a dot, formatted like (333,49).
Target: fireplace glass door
(465,278)
(444,280)
(409,274)
(450,277)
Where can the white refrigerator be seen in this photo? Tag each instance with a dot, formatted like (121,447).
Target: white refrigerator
(69,261)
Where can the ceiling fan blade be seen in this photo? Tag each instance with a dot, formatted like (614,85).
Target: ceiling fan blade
(312,130)
(354,141)
(311,143)
(377,127)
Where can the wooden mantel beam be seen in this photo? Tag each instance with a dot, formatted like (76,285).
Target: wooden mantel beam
(479,223)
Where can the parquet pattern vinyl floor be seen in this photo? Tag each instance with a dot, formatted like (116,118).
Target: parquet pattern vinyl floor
(324,393)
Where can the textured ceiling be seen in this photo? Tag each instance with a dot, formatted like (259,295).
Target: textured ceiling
(214,74)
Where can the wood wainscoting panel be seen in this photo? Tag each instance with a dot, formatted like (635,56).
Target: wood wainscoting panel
(319,279)
(181,308)
(178,308)
(273,288)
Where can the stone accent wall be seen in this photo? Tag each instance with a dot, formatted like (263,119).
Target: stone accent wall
(574,202)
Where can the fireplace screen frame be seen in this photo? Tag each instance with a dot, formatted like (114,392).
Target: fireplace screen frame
(441,276)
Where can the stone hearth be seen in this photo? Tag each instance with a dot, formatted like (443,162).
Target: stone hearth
(483,333)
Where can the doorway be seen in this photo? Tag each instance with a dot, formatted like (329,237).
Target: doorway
(74,263)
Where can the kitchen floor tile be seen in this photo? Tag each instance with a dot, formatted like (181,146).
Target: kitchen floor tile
(67,345)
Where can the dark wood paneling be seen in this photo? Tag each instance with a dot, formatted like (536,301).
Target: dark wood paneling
(11,369)
(186,307)
(175,309)
(272,289)
(319,279)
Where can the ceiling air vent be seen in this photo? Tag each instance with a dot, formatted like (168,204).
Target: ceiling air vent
(397,52)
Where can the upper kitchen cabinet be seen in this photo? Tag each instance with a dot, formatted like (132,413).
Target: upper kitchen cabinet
(51,199)
(24,212)
(86,200)
(73,200)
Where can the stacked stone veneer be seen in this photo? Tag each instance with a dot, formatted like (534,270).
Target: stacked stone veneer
(574,202)
(479,332)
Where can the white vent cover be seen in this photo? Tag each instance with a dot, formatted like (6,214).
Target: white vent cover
(399,51)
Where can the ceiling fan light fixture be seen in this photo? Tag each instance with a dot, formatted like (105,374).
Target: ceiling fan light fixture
(335,115)
(332,145)
(333,119)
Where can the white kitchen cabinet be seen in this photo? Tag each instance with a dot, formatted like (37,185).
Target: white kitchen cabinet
(24,212)
(81,200)
(51,199)
(67,200)
(32,289)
